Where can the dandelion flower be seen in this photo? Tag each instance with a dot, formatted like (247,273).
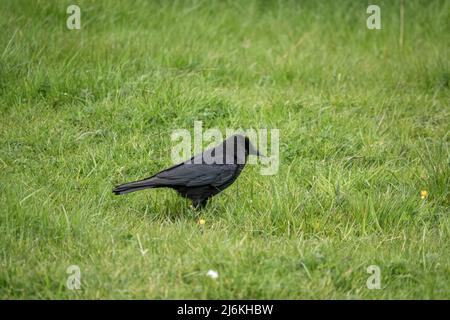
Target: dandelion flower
(423,194)
(201,221)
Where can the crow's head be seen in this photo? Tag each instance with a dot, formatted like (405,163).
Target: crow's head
(238,147)
(234,150)
(250,149)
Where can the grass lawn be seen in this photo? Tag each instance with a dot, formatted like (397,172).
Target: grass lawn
(364,123)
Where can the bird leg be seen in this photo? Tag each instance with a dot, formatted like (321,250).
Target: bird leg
(199,204)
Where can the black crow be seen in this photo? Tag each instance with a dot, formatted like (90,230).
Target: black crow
(202,176)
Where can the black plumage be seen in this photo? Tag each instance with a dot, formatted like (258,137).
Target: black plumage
(202,176)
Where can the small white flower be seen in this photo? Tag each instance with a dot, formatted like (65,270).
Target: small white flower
(212,274)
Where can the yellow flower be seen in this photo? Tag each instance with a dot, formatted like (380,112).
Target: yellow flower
(423,194)
(201,221)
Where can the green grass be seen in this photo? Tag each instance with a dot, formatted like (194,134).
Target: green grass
(364,127)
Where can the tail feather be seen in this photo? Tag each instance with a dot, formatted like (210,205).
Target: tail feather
(133,186)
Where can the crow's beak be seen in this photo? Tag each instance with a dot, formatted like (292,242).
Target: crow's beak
(254,152)
(259,154)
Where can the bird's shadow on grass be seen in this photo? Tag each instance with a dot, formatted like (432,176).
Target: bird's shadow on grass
(166,206)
